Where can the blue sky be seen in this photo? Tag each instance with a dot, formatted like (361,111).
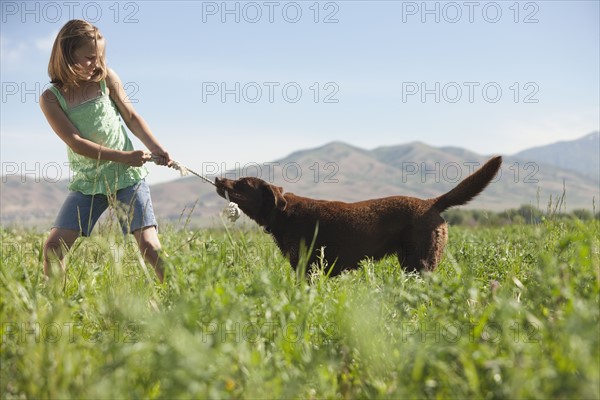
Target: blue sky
(493,77)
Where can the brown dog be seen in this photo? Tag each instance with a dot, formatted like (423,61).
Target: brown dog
(410,228)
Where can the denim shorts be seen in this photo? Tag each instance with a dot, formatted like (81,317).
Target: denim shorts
(133,208)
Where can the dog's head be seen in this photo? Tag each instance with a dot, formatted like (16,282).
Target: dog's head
(255,197)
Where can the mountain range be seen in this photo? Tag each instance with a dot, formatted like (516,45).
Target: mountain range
(340,171)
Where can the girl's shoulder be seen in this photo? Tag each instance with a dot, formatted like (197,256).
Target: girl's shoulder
(112,80)
(111,77)
(50,95)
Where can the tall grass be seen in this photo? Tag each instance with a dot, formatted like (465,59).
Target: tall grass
(511,312)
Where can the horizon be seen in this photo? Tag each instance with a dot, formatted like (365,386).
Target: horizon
(223,169)
(239,82)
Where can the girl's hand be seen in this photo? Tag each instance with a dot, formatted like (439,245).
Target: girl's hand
(136,158)
(161,157)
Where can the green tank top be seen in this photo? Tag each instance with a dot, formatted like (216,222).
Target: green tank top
(98,121)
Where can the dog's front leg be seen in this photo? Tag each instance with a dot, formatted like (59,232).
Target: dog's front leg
(294,257)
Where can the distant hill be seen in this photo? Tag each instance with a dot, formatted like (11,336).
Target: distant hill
(30,202)
(344,172)
(581,155)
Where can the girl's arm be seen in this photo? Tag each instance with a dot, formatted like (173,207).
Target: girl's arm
(69,134)
(133,120)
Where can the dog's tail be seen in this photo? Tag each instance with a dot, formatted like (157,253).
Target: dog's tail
(470,187)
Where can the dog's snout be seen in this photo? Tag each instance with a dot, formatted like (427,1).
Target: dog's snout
(221,182)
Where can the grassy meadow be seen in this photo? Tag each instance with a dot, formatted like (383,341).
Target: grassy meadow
(511,312)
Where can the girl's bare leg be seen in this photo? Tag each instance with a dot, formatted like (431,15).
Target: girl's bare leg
(147,239)
(57,245)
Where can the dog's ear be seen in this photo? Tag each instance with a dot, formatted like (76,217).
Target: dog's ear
(273,197)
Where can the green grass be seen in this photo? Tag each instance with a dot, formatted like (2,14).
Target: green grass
(511,312)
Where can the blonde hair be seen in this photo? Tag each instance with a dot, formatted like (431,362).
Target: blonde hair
(74,34)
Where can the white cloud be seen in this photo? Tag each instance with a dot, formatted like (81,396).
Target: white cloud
(12,52)
(15,53)
(46,43)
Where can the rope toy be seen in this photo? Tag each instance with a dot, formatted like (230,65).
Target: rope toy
(231,212)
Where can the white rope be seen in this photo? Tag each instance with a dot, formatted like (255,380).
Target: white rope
(232,211)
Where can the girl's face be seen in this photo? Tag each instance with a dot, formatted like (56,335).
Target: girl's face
(86,57)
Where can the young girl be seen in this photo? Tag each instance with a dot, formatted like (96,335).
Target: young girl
(83,108)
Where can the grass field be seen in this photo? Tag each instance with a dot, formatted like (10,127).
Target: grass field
(512,312)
